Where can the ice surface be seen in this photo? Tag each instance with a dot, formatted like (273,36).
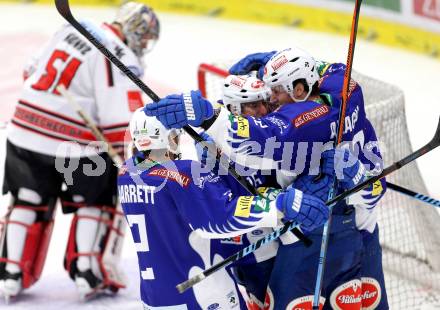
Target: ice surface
(186,42)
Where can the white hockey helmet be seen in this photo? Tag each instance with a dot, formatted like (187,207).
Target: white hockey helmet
(140,26)
(288,66)
(148,133)
(238,89)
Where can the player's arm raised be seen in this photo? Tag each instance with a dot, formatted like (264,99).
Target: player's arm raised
(250,142)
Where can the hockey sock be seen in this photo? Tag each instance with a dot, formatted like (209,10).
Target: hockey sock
(16,236)
(85,235)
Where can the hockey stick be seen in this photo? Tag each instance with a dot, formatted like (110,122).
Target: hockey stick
(340,131)
(64,9)
(435,142)
(412,194)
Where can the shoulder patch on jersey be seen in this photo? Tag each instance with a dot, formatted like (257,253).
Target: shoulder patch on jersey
(242,127)
(175,176)
(377,188)
(243,206)
(310,115)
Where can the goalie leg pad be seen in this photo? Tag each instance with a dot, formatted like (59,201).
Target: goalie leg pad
(24,242)
(93,248)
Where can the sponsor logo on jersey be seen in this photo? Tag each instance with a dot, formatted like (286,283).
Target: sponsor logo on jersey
(232,299)
(347,296)
(190,114)
(238,81)
(279,62)
(371,293)
(242,127)
(144,141)
(237,240)
(268,301)
(257,232)
(377,188)
(175,176)
(304,303)
(243,206)
(277,122)
(210,178)
(213,306)
(311,115)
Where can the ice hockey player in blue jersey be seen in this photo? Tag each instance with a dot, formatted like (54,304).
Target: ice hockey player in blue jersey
(290,140)
(172,215)
(374,293)
(330,84)
(248,96)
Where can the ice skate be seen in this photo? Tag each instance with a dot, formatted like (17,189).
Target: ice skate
(88,285)
(11,286)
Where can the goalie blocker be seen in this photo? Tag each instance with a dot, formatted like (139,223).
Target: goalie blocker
(96,233)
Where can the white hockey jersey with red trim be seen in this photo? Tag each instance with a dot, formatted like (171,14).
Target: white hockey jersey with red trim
(43,119)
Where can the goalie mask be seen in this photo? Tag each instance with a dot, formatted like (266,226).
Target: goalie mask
(242,89)
(148,134)
(140,27)
(288,66)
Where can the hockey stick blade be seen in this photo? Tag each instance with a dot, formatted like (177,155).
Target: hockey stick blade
(435,142)
(240,254)
(64,9)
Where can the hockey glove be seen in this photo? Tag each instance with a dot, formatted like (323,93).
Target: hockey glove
(305,209)
(252,62)
(348,168)
(176,111)
(318,187)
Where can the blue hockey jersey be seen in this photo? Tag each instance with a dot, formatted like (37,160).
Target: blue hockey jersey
(171,214)
(291,139)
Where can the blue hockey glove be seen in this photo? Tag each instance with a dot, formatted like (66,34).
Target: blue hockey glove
(202,152)
(176,111)
(348,168)
(311,185)
(252,62)
(307,210)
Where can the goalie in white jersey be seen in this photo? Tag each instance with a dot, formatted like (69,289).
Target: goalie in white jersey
(49,157)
